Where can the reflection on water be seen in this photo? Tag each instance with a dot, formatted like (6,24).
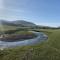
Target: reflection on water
(41,37)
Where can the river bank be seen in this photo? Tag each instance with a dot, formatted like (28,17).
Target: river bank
(40,37)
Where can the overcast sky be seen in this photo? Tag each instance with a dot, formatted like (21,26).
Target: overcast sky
(42,12)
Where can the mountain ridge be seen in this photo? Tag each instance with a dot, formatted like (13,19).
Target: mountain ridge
(17,23)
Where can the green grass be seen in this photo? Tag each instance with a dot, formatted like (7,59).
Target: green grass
(47,50)
(6,28)
(23,32)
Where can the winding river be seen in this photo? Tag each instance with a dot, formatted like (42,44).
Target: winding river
(40,37)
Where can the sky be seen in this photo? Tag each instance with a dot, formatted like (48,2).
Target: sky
(40,12)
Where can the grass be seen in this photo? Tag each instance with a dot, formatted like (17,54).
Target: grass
(6,28)
(23,32)
(47,50)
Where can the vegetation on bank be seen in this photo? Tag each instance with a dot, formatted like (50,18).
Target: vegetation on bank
(17,36)
(47,50)
(4,28)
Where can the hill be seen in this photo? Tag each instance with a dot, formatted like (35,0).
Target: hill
(20,23)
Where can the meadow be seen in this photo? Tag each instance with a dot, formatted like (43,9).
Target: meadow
(47,50)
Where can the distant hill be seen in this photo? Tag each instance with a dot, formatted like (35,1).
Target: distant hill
(9,23)
(17,23)
(24,23)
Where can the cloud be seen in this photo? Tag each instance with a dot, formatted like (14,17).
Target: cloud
(1,4)
(13,6)
(49,24)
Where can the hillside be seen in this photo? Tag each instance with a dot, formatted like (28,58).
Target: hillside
(20,23)
(24,23)
(13,25)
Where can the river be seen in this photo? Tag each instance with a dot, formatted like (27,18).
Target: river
(40,37)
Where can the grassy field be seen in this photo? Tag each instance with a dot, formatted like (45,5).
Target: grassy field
(47,50)
(6,28)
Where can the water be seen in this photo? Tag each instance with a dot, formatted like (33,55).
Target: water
(41,37)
